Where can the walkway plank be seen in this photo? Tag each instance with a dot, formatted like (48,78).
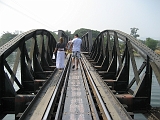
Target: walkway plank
(76,104)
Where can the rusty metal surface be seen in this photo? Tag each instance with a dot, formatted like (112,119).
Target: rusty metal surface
(143,49)
(115,108)
(90,97)
(37,107)
(22,60)
(59,111)
(153,114)
(133,62)
(76,104)
(87,41)
(120,61)
(105,55)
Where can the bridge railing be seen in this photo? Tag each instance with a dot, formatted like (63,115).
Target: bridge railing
(87,41)
(24,61)
(113,55)
(65,37)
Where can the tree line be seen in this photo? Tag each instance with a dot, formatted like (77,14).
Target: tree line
(8,35)
(150,42)
(80,32)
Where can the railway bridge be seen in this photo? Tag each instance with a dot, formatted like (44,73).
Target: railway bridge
(110,83)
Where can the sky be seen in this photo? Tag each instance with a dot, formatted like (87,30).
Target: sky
(54,15)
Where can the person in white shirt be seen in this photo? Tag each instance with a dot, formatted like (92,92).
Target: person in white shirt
(76,43)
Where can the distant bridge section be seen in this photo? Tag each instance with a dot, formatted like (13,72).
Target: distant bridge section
(87,41)
(62,34)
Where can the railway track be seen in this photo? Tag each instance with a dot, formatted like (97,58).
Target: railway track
(73,95)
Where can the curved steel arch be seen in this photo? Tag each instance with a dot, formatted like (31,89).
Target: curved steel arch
(142,49)
(41,53)
(137,45)
(114,65)
(11,45)
(31,52)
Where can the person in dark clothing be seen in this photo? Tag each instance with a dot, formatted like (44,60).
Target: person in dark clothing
(60,48)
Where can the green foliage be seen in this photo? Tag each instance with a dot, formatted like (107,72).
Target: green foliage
(68,33)
(151,43)
(95,33)
(54,35)
(6,37)
(83,31)
(121,46)
(134,32)
(142,41)
(158,45)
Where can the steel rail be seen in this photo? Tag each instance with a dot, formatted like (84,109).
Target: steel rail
(115,108)
(98,95)
(90,99)
(33,102)
(47,112)
(63,93)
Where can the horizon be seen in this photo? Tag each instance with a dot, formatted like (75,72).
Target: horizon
(140,38)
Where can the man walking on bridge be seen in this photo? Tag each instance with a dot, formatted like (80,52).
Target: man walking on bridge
(76,43)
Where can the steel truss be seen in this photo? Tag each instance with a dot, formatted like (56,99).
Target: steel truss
(31,53)
(113,64)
